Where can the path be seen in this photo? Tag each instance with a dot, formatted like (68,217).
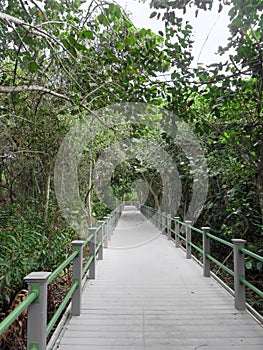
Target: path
(148,296)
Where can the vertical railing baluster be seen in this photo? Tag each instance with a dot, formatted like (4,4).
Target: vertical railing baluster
(169,226)
(37,311)
(239,269)
(92,251)
(100,238)
(188,235)
(206,250)
(163,223)
(106,225)
(77,275)
(177,232)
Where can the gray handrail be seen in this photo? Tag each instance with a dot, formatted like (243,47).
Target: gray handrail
(239,252)
(36,301)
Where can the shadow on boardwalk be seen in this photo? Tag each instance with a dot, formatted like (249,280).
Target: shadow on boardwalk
(148,296)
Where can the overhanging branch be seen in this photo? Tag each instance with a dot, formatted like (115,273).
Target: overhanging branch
(23,88)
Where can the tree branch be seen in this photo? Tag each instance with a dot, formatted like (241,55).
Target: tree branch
(12,89)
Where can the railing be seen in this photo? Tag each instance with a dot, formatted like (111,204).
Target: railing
(36,301)
(165,223)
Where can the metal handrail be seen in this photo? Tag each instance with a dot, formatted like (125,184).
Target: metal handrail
(61,307)
(222,266)
(220,240)
(87,240)
(207,256)
(35,292)
(61,267)
(6,323)
(87,265)
(98,247)
(200,250)
(180,236)
(251,254)
(251,286)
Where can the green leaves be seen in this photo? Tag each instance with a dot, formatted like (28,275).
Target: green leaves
(111,14)
(88,34)
(102,19)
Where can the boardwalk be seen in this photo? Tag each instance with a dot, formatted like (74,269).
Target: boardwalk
(148,296)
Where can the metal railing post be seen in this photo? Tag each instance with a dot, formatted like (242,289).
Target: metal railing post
(169,226)
(109,227)
(37,311)
(92,251)
(159,220)
(163,223)
(77,275)
(188,235)
(239,269)
(111,224)
(177,232)
(206,250)
(106,230)
(154,218)
(100,239)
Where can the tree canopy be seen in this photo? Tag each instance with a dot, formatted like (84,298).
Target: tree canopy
(62,61)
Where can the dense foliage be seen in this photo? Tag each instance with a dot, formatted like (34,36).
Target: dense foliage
(62,60)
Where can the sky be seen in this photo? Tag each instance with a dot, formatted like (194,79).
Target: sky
(210,28)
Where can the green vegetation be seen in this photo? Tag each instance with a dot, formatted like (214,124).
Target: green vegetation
(61,60)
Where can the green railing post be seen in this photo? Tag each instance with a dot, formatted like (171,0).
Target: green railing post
(239,269)
(169,225)
(188,235)
(37,311)
(177,232)
(206,250)
(77,275)
(100,239)
(92,251)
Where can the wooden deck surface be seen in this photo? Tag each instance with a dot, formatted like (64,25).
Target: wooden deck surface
(148,296)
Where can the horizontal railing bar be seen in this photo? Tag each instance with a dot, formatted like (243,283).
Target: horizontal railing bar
(188,241)
(220,240)
(251,286)
(231,272)
(180,236)
(192,227)
(195,229)
(196,247)
(61,267)
(87,265)
(6,323)
(87,240)
(34,294)
(251,254)
(61,307)
(98,247)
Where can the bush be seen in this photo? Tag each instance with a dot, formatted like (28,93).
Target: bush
(28,244)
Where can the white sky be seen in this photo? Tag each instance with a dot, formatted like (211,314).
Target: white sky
(210,28)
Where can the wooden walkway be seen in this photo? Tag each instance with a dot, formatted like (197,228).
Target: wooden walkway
(148,296)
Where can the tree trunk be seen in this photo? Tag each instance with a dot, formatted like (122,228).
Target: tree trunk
(259,177)
(1,184)
(47,198)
